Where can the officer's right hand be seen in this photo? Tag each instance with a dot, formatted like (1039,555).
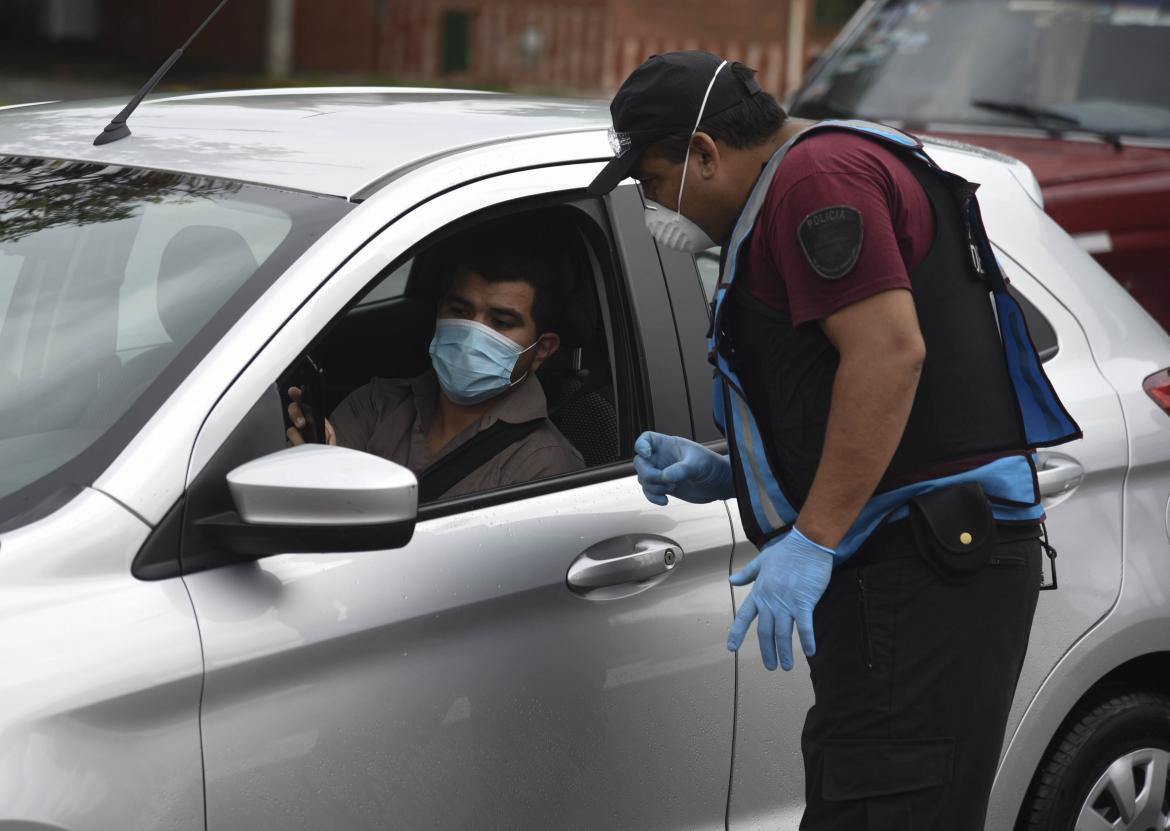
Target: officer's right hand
(681,468)
(296,414)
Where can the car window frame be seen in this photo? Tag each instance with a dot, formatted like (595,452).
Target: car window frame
(630,378)
(634,253)
(625,254)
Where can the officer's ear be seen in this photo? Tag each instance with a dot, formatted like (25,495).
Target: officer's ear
(704,149)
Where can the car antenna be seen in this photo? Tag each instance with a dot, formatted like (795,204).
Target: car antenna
(117,128)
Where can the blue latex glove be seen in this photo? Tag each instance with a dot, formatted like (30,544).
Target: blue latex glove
(790,576)
(681,468)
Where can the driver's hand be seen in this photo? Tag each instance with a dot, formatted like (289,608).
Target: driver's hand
(296,415)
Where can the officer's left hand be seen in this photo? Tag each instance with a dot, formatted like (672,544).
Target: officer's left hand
(790,575)
(681,468)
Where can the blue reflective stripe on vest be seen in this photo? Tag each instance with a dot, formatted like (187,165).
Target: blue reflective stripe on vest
(718,404)
(1011,479)
(771,508)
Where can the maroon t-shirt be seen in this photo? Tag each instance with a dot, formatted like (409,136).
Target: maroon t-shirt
(826,170)
(834,169)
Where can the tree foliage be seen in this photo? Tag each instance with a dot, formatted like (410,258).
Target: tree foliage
(38,194)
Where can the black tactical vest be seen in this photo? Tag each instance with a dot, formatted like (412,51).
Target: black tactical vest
(965,405)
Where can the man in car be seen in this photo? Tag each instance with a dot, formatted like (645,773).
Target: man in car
(880,423)
(497,323)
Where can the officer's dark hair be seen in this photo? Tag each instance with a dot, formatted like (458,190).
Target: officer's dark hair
(525,248)
(748,124)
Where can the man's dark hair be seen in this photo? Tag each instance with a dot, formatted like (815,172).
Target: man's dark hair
(525,248)
(748,124)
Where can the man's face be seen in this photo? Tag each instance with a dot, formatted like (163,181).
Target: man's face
(659,179)
(702,198)
(505,306)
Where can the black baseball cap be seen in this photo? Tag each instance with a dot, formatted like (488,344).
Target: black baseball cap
(661,97)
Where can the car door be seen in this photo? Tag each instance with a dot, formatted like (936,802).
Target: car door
(767,787)
(459,681)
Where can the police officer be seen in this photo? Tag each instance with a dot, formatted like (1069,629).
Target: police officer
(881,401)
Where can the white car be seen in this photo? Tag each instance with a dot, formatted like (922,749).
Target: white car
(201,628)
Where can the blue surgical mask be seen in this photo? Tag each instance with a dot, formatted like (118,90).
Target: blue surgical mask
(474,362)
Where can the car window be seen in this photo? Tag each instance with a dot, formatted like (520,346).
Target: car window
(707,262)
(1042,332)
(109,277)
(392,286)
(382,386)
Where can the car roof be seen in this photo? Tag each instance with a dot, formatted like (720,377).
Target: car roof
(333,141)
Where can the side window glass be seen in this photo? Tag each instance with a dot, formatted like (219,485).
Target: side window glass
(392,286)
(479,361)
(1042,332)
(707,262)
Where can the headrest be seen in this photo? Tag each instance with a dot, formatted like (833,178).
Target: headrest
(201,267)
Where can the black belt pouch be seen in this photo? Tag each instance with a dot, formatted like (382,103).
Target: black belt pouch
(953,530)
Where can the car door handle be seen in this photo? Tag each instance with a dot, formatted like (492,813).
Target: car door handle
(1057,474)
(626,559)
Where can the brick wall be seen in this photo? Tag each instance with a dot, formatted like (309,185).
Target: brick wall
(752,31)
(149,31)
(586,46)
(552,44)
(335,36)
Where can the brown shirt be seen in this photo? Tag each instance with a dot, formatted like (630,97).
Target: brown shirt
(389,417)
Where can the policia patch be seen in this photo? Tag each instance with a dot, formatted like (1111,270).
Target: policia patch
(831,239)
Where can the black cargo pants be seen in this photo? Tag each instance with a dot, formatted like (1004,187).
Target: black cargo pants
(913,680)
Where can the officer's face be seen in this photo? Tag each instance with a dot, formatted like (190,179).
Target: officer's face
(505,306)
(659,179)
(702,197)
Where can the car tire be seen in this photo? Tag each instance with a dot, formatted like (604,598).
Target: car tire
(1104,762)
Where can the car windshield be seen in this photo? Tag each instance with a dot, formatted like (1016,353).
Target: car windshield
(1054,64)
(114,281)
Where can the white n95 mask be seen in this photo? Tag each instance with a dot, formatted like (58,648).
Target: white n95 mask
(671,228)
(674,230)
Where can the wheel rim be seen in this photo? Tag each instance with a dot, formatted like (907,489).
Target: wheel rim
(1132,794)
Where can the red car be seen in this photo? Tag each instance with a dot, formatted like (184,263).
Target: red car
(1077,89)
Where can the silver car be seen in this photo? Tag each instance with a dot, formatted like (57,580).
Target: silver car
(202,628)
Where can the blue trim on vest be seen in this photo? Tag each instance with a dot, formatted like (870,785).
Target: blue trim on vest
(718,403)
(1045,420)
(772,509)
(1007,478)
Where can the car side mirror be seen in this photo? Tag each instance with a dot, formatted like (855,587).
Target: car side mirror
(316,498)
